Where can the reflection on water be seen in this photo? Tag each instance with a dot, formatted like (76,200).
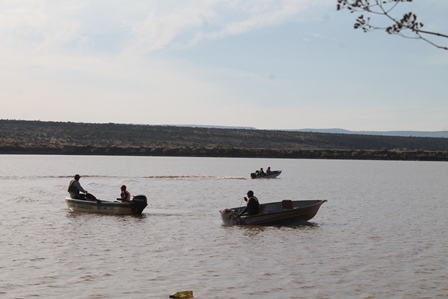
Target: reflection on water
(382,233)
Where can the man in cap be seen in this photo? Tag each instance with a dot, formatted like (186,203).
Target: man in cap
(125,196)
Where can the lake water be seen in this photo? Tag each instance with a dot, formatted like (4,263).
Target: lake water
(382,234)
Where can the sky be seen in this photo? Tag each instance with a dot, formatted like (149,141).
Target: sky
(280,64)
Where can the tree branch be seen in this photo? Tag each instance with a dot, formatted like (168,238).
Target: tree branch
(385,7)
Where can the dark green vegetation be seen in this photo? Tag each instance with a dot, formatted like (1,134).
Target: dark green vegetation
(67,138)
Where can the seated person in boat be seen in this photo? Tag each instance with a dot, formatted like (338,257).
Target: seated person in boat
(268,171)
(125,196)
(261,172)
(74,188)
(252,204)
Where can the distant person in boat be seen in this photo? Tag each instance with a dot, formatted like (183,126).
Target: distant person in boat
(74,188)
(268,171)
(261,172)
(252,204)
(125,196)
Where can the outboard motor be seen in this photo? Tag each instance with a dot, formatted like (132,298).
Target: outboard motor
(253,175)
(229,216)
(139,203)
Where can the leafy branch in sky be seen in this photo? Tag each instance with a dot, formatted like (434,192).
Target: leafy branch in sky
(408,26)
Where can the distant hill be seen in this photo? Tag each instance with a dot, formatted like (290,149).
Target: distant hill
(43,137)
(432,134)
(214,127)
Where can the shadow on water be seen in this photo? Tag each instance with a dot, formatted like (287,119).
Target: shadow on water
(295,224)
(82,215)
(302,224)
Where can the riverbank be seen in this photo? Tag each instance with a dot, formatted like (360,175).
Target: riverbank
(66,138)
(229,152)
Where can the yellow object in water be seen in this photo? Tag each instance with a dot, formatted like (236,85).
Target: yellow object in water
(183,294)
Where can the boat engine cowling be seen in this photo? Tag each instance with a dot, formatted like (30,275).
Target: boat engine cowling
(139,203)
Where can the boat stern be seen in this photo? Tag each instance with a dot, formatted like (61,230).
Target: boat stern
(139,203)
(228,216)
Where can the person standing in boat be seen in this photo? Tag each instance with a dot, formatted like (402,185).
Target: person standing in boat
(252,204)
(125,196)
(74,188)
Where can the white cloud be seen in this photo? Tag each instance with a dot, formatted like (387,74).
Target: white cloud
(142,26)
(110,61)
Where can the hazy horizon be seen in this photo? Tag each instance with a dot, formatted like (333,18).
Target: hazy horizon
(444,133)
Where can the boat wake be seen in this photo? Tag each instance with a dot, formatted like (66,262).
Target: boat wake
(195,177)
(168,177)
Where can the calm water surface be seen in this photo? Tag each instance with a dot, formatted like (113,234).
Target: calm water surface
(382,233)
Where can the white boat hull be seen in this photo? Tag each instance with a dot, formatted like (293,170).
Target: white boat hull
(106,207)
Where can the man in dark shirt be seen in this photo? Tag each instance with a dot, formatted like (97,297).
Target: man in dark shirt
(252,204)
(75,187)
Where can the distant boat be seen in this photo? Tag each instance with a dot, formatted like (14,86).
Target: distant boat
(271,175)
(93,205)
(274,213)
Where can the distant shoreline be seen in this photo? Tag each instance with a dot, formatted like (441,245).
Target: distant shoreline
(395,155)
(66,138)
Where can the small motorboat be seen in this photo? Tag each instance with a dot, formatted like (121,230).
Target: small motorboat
(93,205)
(271,175)
(274,213)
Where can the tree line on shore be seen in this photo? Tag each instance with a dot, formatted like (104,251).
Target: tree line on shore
(65,138)
(385,154)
